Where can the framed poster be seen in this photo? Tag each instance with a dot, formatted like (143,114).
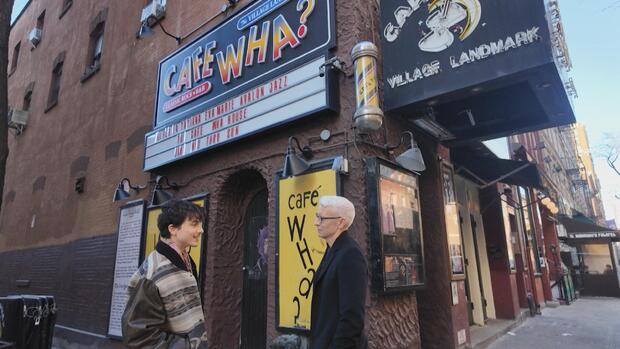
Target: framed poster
(151,237)
(453,223)
(299,249)
(397,258)
(127,260)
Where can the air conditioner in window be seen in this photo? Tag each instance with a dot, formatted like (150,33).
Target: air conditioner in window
(153,12)
(17,120)
(35,36)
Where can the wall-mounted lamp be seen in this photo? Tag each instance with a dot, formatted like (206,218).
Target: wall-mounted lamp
(412,158)
(293,164)
(160,195)
(145,31)
(368,116)
(123,188)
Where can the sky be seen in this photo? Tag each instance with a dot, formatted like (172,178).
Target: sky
(592,33)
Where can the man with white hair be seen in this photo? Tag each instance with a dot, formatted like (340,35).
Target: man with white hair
(340,282)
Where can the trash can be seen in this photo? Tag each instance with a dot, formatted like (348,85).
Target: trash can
(6,345)
(13,319)
(29,321)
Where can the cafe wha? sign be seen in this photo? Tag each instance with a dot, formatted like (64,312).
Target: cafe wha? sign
(256,70)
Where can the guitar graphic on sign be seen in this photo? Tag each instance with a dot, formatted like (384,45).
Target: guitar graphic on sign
(446,19)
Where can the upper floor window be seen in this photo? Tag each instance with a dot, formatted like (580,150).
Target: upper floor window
(95,50)
(15,57)
(27,100)
(95,47)
(36,34)
(66,4)
(41,20)
(54,92)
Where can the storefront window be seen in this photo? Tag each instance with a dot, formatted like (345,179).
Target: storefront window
(596,259)
(511,235)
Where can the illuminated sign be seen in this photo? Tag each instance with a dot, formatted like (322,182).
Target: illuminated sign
(219,88)
(300,250)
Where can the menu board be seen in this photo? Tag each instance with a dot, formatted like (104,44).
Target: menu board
(130,227)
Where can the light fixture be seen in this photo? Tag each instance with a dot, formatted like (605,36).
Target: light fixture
(412,158)
(434,129)
(368,116)
(146,31)
(123,188)
(293,164)
(160,196)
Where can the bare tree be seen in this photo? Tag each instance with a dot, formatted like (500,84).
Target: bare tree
(6,7)
(610,150)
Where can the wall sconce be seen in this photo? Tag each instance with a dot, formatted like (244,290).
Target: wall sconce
(160,196)
(368,116)
(123,188)
(412,158)
(293,164)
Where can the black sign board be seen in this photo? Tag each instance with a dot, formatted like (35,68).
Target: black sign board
(480,68)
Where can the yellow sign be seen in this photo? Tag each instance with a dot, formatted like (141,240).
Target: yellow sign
(152,234)
(300,250)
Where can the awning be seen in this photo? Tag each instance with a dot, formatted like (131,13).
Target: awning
(477,161)
(579,230)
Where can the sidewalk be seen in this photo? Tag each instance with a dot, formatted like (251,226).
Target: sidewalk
(483,336)
(589,322)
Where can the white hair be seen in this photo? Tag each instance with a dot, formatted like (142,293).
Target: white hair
(344,207)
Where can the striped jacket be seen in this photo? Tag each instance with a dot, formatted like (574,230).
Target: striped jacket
(164,308)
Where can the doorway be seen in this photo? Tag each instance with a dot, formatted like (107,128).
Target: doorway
(254,299)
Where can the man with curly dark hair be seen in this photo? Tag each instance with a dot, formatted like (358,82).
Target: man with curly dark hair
(164,309)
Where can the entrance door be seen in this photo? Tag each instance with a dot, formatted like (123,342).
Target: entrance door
(254,303)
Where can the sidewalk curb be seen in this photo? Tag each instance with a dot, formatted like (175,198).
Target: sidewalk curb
(524,315)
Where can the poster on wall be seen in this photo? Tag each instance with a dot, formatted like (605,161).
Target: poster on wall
(130,227)
(299,248)
(453,226)
(396,229)
(152,233)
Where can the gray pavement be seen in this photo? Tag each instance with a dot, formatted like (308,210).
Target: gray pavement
(588,323)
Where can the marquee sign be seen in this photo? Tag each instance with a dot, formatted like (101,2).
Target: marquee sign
(256,70)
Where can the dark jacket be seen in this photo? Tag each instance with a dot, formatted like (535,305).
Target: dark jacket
(339,297)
